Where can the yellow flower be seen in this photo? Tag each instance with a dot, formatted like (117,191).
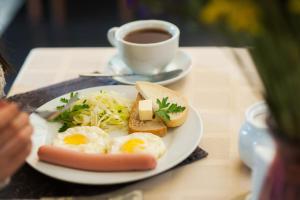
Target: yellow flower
(294,6)
(239,15)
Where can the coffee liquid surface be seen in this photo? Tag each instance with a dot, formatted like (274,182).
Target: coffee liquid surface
(146,36)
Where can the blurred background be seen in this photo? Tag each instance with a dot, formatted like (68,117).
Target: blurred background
(27,24)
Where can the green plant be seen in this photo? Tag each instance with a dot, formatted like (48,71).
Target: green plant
(272,29)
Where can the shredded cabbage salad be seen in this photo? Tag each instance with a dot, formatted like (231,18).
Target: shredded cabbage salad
(105,109)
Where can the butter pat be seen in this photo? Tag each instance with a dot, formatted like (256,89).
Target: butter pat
(145,110)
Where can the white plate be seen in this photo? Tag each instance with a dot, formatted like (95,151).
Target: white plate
(181,61)
(180,142)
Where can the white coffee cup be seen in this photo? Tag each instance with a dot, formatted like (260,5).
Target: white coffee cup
(150,58)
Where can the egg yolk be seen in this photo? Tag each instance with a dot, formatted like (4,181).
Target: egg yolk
(130,146)
(76,139)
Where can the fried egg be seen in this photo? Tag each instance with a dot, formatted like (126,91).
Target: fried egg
(139,143)
(87,139)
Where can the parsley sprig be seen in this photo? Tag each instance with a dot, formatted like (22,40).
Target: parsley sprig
(165,108)
(66,117)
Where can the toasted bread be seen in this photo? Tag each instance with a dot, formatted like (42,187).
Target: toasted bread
(155,126)
(154,91)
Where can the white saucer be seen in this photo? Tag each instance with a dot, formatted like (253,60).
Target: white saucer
(181,61)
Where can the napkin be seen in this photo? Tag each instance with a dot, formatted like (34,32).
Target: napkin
(36,98)
(28,183)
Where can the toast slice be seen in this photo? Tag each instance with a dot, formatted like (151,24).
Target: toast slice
(155,126)
(154,91)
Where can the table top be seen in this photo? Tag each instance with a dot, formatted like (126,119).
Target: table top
(216,87)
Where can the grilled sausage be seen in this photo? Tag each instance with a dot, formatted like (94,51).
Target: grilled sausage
(96,162)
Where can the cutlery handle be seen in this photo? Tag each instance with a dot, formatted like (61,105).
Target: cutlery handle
(96,75)
(103,75)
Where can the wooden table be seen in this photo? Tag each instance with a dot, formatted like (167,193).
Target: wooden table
(215,86)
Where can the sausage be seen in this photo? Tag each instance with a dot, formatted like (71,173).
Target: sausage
(96,162)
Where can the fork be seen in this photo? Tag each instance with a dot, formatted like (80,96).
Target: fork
(51,115)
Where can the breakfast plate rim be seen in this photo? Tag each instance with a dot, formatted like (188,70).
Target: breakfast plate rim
(180,158)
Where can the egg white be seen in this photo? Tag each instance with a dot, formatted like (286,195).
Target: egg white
(98,141)
(152,144)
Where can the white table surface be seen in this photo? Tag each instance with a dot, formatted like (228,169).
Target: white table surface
(215,87)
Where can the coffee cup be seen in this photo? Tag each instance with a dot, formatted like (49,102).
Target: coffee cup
(145,46)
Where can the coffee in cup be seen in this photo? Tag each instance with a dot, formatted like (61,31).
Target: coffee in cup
(145,46)
(147,36)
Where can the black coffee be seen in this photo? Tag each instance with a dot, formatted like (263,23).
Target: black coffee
(146,36)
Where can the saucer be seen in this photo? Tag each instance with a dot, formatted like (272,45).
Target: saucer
(181,61)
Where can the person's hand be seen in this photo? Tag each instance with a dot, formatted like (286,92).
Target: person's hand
(15,139)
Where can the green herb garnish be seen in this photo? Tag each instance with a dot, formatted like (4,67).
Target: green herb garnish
(66,117)
(165,108)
